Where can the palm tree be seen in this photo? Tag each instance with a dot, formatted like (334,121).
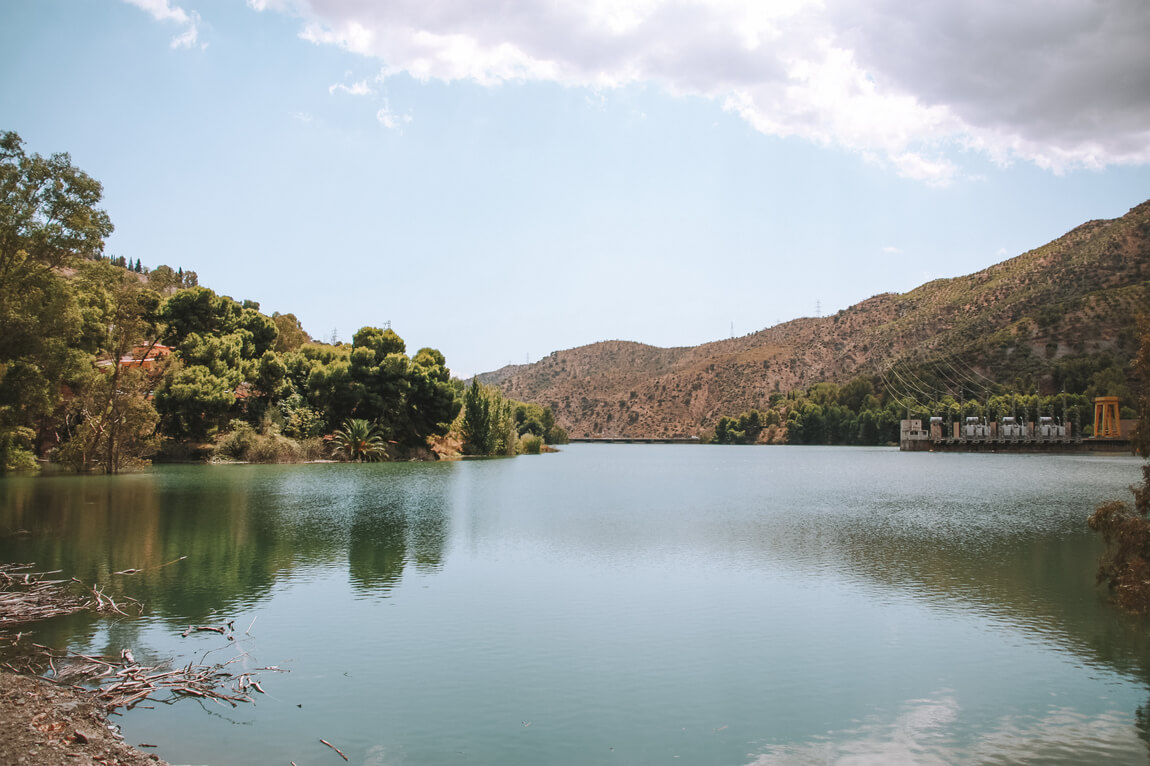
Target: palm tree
(359,440)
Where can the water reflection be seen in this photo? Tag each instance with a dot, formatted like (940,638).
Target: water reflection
(216,539)
(829,605)
(406,525)
(924,733)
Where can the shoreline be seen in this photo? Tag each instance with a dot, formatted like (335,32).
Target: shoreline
(45,724)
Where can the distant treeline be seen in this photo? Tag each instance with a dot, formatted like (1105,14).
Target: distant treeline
(868,410)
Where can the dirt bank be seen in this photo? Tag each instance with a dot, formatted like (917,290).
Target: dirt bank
(42,724)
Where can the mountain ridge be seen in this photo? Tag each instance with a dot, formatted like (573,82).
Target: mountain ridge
(1075,296)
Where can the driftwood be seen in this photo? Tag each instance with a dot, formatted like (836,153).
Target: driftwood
(133,571)
(123,682)
(27,596)
(115,682)
(333,747)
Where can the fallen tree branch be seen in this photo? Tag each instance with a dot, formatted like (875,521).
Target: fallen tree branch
(333,747)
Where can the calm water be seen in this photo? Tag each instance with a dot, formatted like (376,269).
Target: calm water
(617,605)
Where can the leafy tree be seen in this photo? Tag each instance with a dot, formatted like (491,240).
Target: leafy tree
(488,422)
(478,434)
(1125,564)
(329,385)
(556,434)
(194,401)
(115,417)
(359,440)
(291,334)
(381,372)
(431,401)
(48,220)
(199,310)
(300,420)
(263,332)
(163,278)
(855,393)
(112,423)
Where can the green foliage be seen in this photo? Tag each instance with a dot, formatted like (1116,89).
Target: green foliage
(244,443)
(431,401)
(556,434)
(380,373)
(230,364)
(200,311)
(48,214)
(193,401)
(164,279)
(111,424)
(299,420)
(745,429)
(16,453)
(488,423)
(359,440)
(237,441)
(48,221)
(530,444)
(291,334)
(1125,565)
(476,427)
(536,420)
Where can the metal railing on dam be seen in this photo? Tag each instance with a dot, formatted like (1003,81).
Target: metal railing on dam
(637,440)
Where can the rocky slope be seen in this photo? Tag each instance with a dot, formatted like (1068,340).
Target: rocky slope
(1076,296)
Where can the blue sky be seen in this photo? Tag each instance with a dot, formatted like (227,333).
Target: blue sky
(503,180)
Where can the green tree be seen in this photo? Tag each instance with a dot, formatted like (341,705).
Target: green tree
(163,278)
(478,435)
(488,423)
(193,401)
(291,334)
(116,417)
(48,221)
(359,440)
(431,401)
(199,310)
(1125,528)
(113,425)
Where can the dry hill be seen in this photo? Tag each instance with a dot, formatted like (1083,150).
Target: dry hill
(1074,297)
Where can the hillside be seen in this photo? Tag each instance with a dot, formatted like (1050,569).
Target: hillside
(1075,297)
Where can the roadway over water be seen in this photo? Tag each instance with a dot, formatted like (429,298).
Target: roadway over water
(636,440)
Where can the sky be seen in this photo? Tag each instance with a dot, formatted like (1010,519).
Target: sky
(500,180)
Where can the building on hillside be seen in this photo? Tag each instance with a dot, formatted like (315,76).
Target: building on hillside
(142,355)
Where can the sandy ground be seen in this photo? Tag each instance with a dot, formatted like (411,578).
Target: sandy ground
(42,724)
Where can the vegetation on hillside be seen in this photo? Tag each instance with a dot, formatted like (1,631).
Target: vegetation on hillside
(1043,322)
(867,411)
(491,424)
(1125,527)
(105,363)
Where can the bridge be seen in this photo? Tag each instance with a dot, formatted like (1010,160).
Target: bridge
(637,440)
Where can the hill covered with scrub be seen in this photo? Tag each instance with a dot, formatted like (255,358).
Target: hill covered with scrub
(105,364)
(1060,317)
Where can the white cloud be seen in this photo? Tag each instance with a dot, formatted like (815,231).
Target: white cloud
(360,88)
(391,120)
(1059,84)
(163,10)
(891,250)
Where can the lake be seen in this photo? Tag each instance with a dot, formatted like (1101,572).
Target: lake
(616,604)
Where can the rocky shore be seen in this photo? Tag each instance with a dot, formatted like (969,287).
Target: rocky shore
(43,724)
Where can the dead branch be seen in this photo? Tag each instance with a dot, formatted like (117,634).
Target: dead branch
(333,747)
